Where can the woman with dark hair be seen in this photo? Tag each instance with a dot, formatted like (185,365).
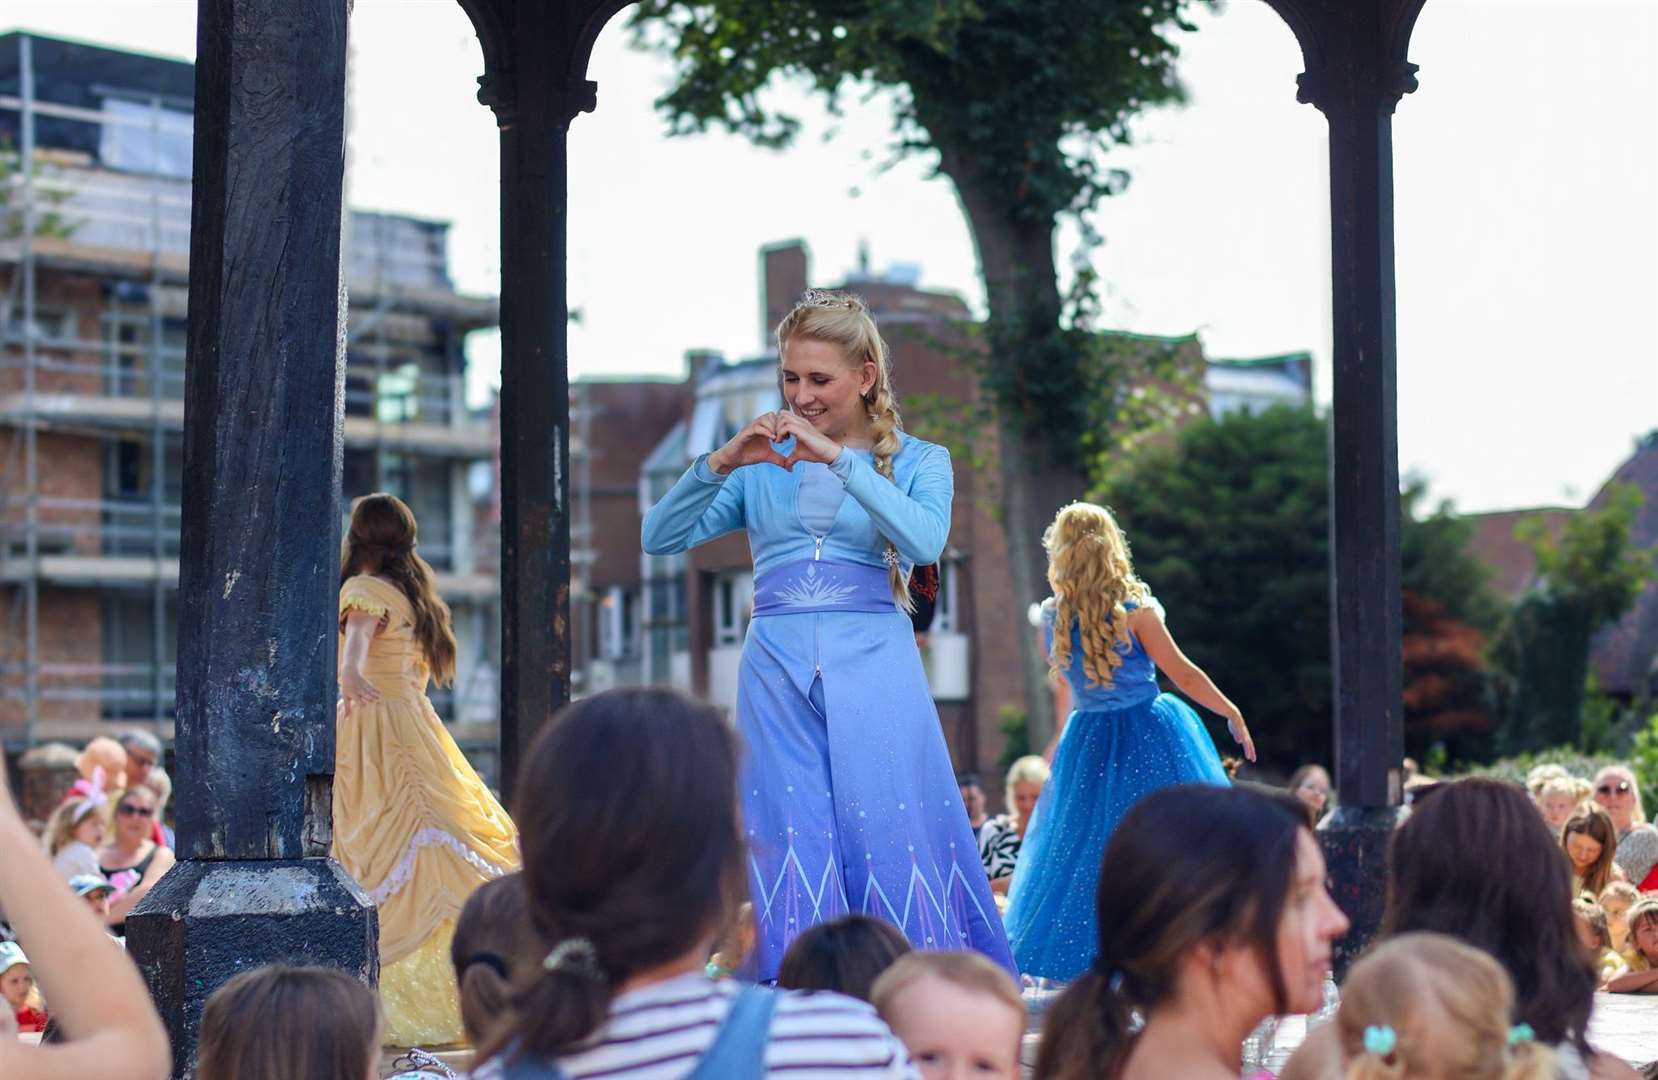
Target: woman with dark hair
(413,823)
(845,955)
(1440,880)
(630,875)
(1211,915)
(1591,845)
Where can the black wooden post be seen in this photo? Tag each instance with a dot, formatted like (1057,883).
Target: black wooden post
(259,558)
(1356,73)
(535,63)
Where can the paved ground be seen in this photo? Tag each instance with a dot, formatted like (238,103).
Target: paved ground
(1622,1024)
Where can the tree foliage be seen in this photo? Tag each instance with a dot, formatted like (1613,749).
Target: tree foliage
(1230,527)
(1017,102)
(1587,578)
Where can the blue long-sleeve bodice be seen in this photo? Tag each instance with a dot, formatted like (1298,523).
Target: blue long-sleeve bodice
(912,509)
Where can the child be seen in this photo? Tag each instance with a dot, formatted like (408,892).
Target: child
(17,986)
(1426,1005)
(1558,800)
(1592,931)
(76,828)
(735,945)
(1122,741)
(1616,900)
(958,1013)
(493,936)
(845,955)
(95,889)
(1642,954)
(277,1022)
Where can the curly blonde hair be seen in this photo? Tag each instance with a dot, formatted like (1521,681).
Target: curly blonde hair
(1092,576)
(842,320)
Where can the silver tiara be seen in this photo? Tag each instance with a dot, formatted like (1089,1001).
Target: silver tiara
(828,298)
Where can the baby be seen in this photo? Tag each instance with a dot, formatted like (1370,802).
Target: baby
(1557,801)
(958,1013)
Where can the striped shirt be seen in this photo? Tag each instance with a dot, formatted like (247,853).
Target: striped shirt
(660,1031)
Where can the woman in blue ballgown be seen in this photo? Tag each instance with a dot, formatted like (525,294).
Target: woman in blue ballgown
(849,800)
(1123,739)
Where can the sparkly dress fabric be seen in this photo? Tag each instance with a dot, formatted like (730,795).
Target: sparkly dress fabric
(413,824)
(1120,744)
(848,795)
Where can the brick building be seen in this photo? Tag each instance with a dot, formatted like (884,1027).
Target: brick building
(94,245)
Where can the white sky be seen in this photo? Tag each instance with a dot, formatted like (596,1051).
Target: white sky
(1526,211)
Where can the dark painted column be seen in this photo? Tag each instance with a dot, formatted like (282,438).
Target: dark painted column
(259,561)
(1356,73)
(535,59)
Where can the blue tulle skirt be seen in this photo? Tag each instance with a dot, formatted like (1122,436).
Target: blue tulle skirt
(1106,762)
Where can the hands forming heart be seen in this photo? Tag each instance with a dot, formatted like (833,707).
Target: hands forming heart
(757,443)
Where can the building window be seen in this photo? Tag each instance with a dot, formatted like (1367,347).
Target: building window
(616,624)
(142,139)
(947,607)
(733,601)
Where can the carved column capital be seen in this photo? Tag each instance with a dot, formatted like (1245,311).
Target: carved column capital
(541,48)
(1354,51)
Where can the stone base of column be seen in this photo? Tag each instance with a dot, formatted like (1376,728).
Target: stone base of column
(205,922)
(1355,842)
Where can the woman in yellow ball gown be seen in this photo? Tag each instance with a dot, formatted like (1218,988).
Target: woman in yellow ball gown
(412,821)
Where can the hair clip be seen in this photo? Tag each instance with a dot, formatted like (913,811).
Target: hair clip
(1520,1033)
(890,556)
(575,955)
(1380,1040)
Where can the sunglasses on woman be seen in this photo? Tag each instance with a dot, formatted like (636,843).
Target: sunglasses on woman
(127,809)
(1622,788)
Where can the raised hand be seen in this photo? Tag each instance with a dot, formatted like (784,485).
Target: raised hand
(750,446)
(810,444)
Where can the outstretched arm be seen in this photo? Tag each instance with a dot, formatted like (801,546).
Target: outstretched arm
(1633,982)
(1147,625)
(94,989)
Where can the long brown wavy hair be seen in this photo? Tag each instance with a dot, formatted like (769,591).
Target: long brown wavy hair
(381,541)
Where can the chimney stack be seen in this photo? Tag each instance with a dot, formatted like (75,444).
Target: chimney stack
(783,271)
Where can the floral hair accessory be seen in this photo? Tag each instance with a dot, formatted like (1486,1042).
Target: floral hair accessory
(1380,1040)
(576,955)
(1520,1033)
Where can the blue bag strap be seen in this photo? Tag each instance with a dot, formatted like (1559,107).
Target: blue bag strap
(527,1068)
(739,1050)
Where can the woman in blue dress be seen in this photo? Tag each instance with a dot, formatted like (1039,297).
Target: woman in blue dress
(848,795)
(1122,740)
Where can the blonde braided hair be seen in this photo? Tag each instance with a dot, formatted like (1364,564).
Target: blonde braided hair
(1092,576)
(841,319)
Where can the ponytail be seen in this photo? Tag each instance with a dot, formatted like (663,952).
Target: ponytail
(1088,1032)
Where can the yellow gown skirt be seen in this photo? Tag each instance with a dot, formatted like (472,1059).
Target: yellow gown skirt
(416,827)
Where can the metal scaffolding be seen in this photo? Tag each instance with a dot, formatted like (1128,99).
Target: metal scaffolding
(80,235)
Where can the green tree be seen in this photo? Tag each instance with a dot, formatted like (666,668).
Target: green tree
(1016,102)
(1230,527)
(1589,577)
